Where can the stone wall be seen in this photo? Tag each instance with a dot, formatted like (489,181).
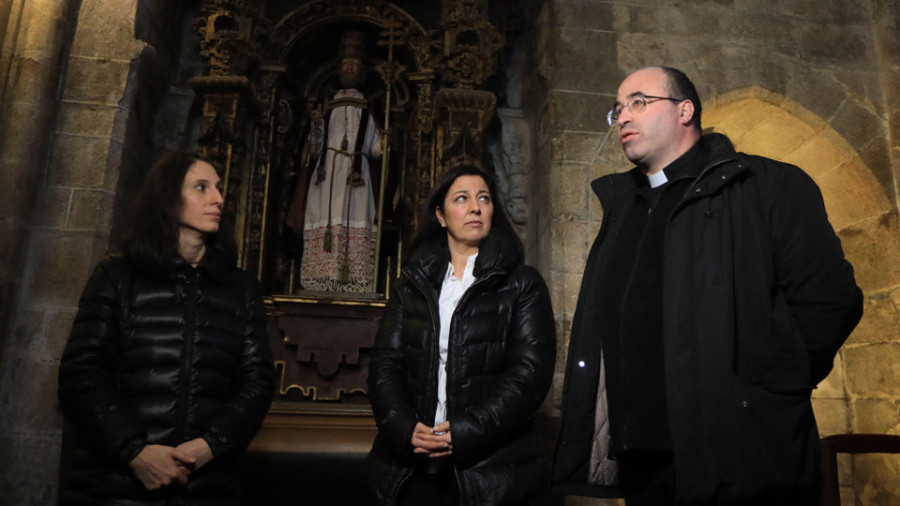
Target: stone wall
(81,107)
(35,40)
(810,82)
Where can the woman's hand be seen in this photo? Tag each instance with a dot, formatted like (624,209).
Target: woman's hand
(159,466)
(198,449)
(434,442)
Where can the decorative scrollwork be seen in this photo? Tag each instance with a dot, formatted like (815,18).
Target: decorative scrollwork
(471,43)
(228,35)
(282,36)
(254,122)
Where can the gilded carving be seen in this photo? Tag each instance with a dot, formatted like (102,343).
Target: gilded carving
(433,110)
(463,115)
(470,44)
(227,32)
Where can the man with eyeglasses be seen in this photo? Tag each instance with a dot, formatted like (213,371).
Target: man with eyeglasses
(714,299)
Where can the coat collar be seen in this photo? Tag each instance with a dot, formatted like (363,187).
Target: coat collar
(494,254)
(724,165)
(212,267)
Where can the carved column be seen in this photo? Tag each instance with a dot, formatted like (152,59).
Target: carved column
(227,41)
(465,114)
(419,181)
(224,112)
(267,151)
(470,43)
(462,111)
(512,162)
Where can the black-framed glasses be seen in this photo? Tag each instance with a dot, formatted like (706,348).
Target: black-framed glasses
(636,104)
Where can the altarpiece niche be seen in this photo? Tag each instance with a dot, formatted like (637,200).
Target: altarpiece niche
(332,123)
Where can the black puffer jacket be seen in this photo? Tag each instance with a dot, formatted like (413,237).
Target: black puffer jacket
(500,365)
(163,359)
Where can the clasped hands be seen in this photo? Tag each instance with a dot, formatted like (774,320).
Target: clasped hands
(158,466)
(432,442)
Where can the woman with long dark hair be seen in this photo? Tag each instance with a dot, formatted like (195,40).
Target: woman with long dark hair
(167,374)
(463,358)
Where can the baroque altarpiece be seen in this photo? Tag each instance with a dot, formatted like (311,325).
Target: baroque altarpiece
(276,117)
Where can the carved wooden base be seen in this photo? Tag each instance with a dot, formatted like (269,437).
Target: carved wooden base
(316,427)
(310,453)
(321,346)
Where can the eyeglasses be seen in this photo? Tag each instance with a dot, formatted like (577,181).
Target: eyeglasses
(637,104)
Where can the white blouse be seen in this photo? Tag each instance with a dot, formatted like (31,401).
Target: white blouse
(452,289)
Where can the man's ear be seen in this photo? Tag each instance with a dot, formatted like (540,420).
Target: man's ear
(686,112)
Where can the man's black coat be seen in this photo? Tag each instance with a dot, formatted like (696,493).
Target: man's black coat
(757,300)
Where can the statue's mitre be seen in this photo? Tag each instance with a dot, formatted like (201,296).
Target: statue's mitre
(353,45)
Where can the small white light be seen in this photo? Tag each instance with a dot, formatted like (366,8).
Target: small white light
(581,363)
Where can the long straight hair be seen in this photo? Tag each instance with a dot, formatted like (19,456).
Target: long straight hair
(151,239)
(430,231)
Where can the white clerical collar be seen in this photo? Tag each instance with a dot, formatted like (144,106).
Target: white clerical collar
(657,179)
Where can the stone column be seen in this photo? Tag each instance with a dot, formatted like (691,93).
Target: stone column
(870,356)
(66,105)
(514,162)
(35,34)
(30,58)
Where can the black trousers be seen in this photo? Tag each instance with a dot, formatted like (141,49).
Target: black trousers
(648,479)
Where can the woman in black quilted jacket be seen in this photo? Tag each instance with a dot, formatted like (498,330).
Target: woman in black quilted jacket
(463,359)
(166,375)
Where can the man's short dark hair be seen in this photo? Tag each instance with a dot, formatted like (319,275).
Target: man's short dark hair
(680,86)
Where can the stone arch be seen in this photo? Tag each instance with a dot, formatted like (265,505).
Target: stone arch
(309,17)
(768,124)
(858,395)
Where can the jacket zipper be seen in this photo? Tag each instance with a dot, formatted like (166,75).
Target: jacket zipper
(621,333)
(678,206)
(465,297)
(407,474)
(681,203)
(430,296)
(192,293)
(462,500)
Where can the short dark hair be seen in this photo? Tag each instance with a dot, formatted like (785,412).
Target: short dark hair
(680,86)
(151,239)
(429,229)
